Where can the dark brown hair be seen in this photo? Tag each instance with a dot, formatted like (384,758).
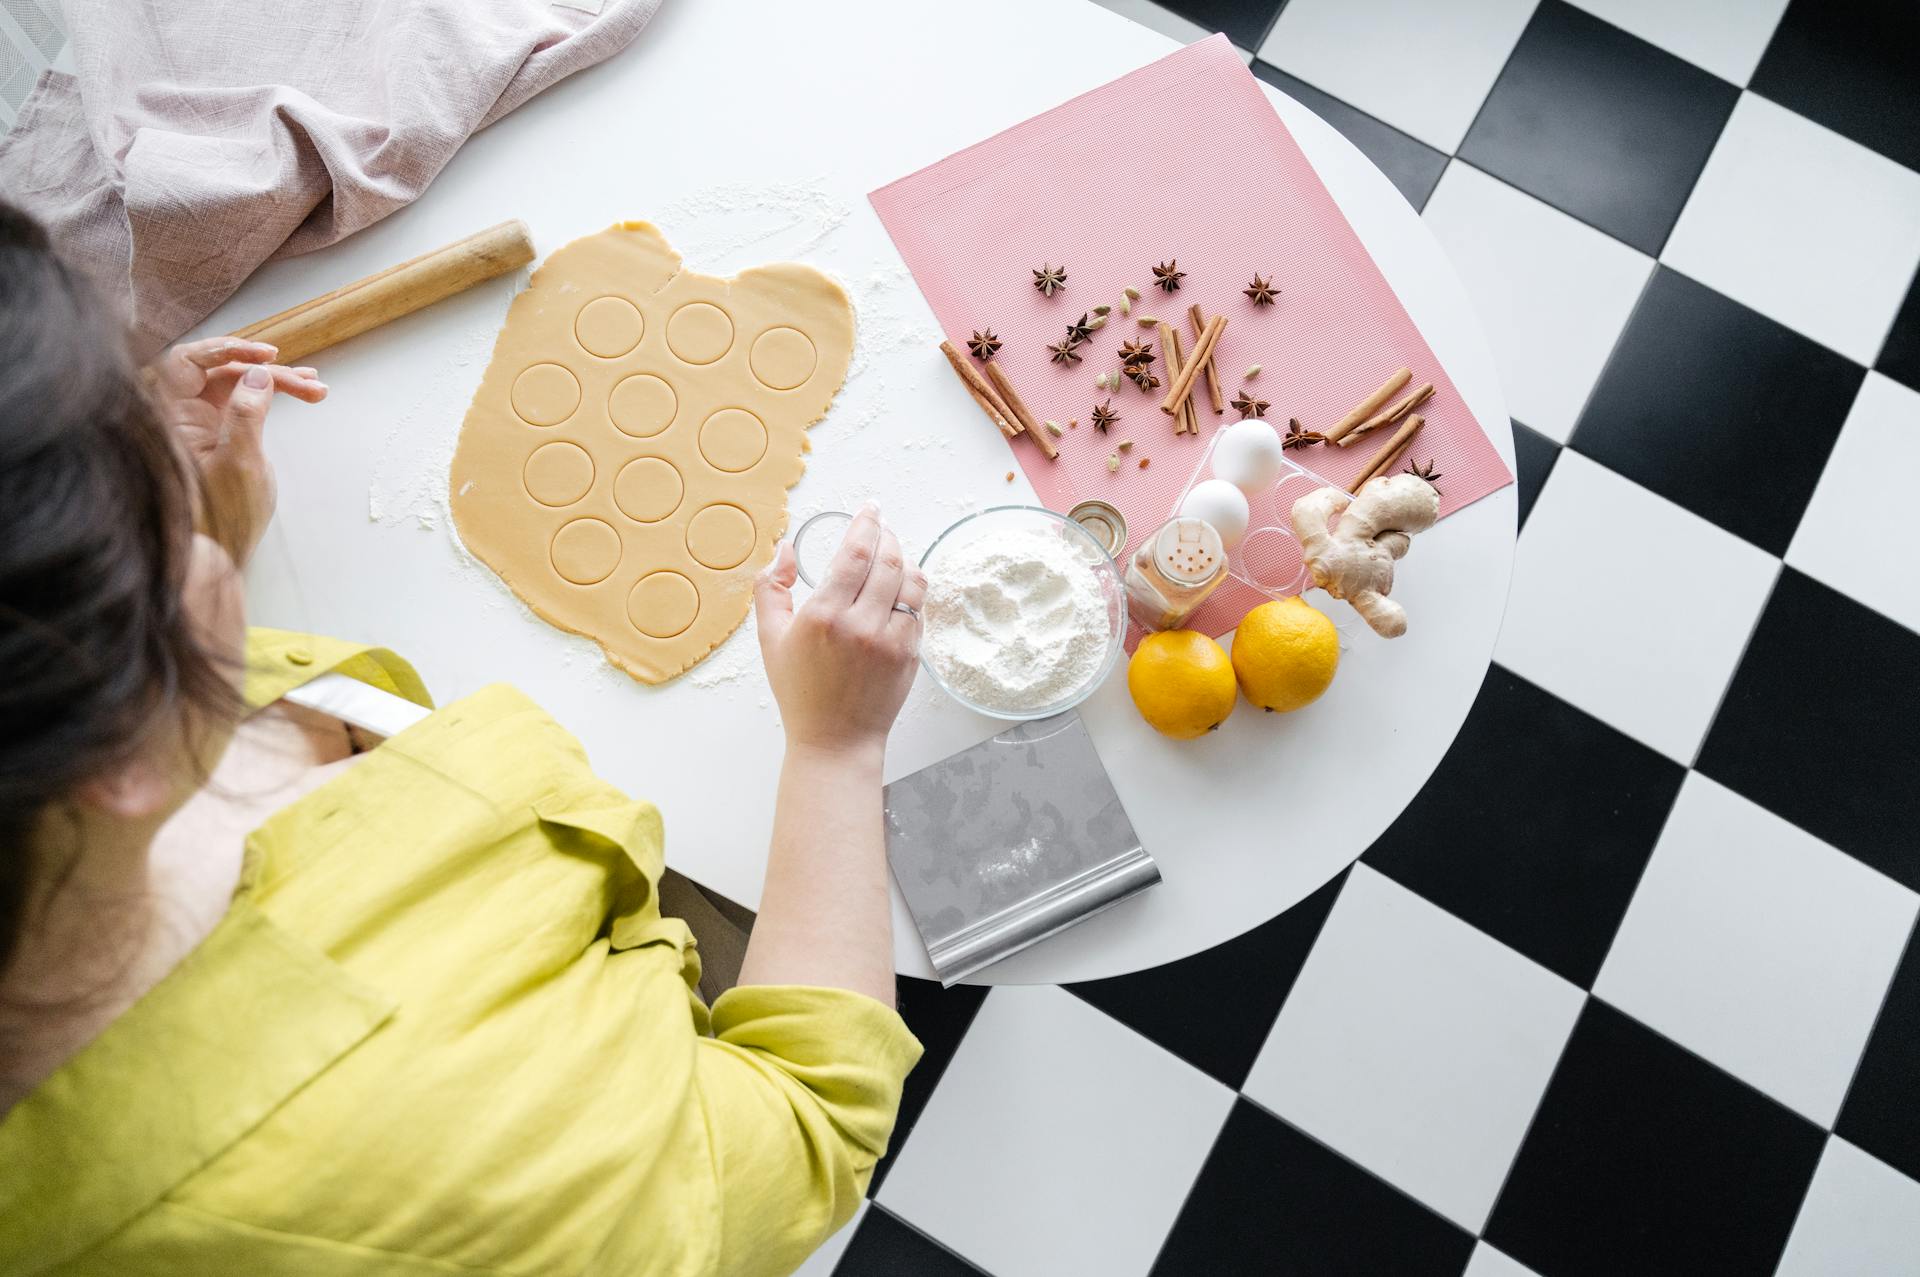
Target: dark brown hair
(96,521)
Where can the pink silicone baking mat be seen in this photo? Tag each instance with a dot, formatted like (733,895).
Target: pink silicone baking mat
(1184,158)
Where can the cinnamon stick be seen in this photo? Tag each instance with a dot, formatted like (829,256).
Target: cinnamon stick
(1185,419)
(982,393)
(1389,454)
(1170,355)
(1018,410)
(1202,351)
(1213,365)
(1368,406)
(1389,417)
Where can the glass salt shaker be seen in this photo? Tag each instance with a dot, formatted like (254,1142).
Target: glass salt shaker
(1173,572)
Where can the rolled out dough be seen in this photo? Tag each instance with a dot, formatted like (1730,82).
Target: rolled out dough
(625,463)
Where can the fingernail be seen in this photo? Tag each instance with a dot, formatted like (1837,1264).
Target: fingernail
(258,378)
(871,507)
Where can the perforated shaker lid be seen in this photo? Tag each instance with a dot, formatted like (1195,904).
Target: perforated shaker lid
(1188,550)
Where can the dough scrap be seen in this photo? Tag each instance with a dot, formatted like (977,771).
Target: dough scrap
(625,463)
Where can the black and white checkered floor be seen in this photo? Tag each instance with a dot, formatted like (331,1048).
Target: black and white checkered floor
(1661,1013)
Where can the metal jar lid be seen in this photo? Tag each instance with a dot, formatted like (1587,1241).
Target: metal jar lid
(1105,522)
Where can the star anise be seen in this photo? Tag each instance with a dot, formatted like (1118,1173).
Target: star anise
(1050,278)
(1104,416)
(1261,291)
(1167,275)
(1080,329)
(1065,352)
(1133,353)
(1143,377)
(1426,472)
(983,344)
(1247,406)
(1298,436)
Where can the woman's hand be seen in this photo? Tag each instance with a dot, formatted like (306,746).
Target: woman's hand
(215,394)
(842,662)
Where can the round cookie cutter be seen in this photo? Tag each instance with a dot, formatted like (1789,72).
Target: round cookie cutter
(817,541)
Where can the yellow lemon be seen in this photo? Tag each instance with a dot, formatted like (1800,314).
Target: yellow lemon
(1182,683)
(1284,654)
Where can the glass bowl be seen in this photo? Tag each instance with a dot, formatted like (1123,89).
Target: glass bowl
(1005,518)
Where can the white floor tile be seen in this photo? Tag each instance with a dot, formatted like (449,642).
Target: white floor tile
(1420,66)
(1851,537)
(1417,1046)
(1758,946)
(1725,37)
(1488,1262)
(1630,607)
(821,1262)
(1804,226)
(1552,293)
(1059,1142)
(1861,1219)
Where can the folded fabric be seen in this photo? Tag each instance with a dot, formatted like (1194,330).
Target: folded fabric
(194,142)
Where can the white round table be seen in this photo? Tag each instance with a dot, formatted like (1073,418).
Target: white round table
(752,132)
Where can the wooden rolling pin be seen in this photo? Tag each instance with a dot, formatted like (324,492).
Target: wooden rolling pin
(399,290)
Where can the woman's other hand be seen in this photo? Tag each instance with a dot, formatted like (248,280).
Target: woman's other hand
(841,663)
(215,394)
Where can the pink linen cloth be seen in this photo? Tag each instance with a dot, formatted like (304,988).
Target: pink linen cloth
(195,141)
(1213,179)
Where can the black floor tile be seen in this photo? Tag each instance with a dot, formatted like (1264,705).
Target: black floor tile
(1882,1112)
(1850,65)
(1644,1158)
(1534,455)
(884,1247)
(1409,164)
(940,1019)
(1245,21)
(1215,1009)
(1821,724)
(1718,408)
(1900,357)
(1273,1201)
(1536,826)
(1601,124)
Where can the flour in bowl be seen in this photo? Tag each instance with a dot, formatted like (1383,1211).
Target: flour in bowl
(1015,620)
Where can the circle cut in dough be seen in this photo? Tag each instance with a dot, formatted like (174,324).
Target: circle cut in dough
(648,489)
(545,395)
(609,326)
(642,406)
(700,332)
(662,604)
(558,473)
(782,358)
(720,536)
(733,440)
(586,551)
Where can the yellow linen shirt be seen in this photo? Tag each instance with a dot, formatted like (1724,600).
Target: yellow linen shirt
(443,1028)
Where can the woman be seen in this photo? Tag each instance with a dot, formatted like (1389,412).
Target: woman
(272,1000)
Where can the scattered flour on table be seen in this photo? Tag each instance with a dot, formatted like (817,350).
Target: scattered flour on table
(1015,620)
(736,225)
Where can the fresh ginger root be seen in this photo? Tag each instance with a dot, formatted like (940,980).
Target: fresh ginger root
(1355,560)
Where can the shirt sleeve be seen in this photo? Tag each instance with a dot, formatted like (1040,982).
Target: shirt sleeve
(801,1087)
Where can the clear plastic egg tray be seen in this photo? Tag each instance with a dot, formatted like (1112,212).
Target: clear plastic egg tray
(1268,558)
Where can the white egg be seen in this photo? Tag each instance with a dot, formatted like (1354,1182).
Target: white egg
(1248,455)
(1220,505)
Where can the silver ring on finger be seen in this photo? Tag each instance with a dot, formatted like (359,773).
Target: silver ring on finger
(904,607)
